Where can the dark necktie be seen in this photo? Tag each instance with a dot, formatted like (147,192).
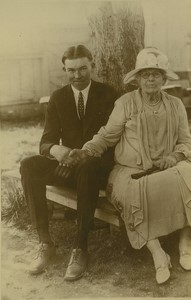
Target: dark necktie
(80,105)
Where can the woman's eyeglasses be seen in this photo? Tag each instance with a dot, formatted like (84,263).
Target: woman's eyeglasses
(146,74)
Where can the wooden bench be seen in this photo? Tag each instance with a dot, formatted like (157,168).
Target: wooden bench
(105,211)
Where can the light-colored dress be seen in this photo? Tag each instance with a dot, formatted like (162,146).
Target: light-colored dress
(160,203)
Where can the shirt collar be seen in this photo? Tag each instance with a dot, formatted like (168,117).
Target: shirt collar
(84,91)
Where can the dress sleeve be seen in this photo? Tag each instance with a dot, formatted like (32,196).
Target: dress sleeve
(108,135)
(183,144)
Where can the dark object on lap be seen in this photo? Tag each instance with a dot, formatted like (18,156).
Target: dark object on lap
(144,173)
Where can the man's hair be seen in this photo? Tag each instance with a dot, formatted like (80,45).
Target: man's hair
(76,52)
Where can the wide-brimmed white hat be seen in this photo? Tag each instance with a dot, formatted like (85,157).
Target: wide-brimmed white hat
(147,58)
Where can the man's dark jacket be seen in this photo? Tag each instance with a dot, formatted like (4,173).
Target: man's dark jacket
(62,121)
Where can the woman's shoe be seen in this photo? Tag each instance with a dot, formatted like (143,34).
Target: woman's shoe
(185,248)
(185,260)
(162,267)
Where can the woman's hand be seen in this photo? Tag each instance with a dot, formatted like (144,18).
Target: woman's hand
(165,162)
(65,167)
(76,155)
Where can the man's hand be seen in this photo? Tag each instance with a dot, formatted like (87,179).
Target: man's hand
(62,171)
(166,162)
(64,168)
(59,152)
(67,160)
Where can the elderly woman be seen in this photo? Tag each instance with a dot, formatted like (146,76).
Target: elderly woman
(150,183)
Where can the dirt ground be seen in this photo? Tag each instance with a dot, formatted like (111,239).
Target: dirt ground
(121,274)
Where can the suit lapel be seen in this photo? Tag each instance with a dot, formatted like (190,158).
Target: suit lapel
(92,106)
(69,107)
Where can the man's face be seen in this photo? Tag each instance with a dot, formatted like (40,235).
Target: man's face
(151,80)
(78,72)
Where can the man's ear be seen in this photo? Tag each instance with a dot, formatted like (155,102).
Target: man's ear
(64,68)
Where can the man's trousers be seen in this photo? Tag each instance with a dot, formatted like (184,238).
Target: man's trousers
(87,178)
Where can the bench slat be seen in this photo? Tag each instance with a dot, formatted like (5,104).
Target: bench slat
(105,211)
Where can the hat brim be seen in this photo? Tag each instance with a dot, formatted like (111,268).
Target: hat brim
(131,75)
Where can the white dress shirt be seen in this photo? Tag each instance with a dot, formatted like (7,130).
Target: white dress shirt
(84,92)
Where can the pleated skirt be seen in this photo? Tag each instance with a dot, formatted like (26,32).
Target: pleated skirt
(152,206)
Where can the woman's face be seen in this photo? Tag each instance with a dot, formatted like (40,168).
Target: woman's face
(151,80)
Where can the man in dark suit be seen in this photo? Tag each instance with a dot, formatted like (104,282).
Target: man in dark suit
(74,114)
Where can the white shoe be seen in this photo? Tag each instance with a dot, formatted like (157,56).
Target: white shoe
(185,260)
(162,266)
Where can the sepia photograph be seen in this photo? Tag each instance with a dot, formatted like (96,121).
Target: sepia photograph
(95,149)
